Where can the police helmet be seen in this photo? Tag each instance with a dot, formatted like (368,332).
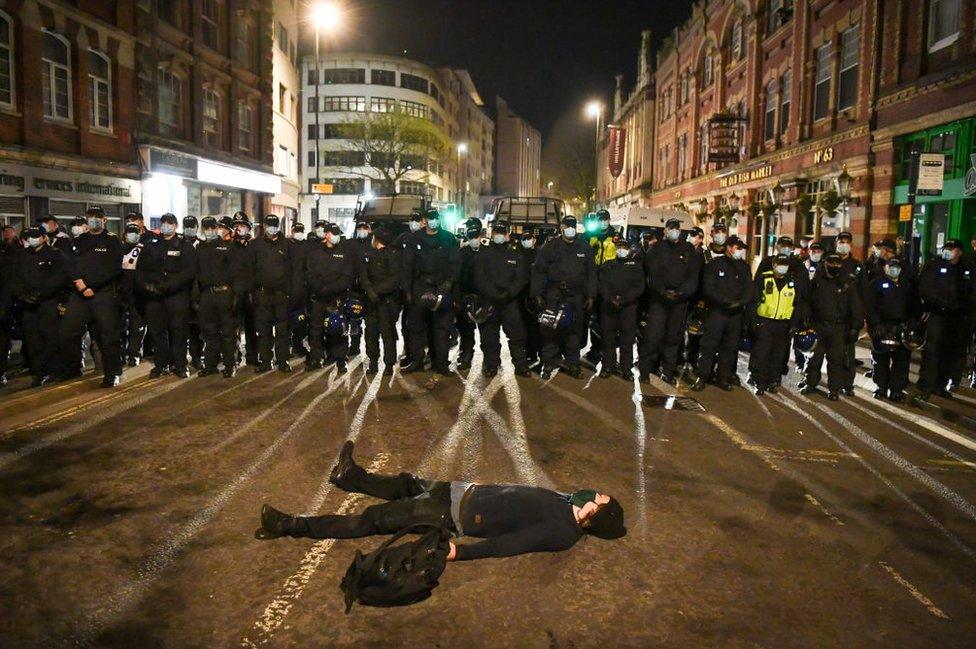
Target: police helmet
(433,301)
(354,308)
(562,317)
(805,340)
(335,323)
(913,336)
(696,321)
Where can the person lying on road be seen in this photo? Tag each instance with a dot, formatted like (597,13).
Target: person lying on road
(510,519)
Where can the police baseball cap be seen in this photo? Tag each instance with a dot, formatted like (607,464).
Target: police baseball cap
(362,225)
(719,227)
(888,244)
(95,211)
(208,222)
(78,220)
(608,521)
(33,232)
(47,218)
(834,260)
(603,215)
(190,221)
(472,224)
(334,229)
(432,214)
(321,223)
(416,215)
(569,221)
(737,242)
(383,235)
(785,241)
(697,232)
(168,218)
(241,214)
(501,225)
(953,243)
(272,220)
(894,261)
(298,227)
(132,227)
(781,259)
(133,216)
(673,223)
(845,235)
(816,245)
(241,221)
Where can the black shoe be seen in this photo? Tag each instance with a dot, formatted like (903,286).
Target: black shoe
(897,397)
(724,385)
(879,394)
(489,372)
(643,377)
(111,381)
(353,353)
(3,380)
(574,371)
(773,389)
(313,365)
(699,384)
(284,368)
(388,371)
(181,373)
(545,373)
(207,371)
(158,371)
(132,361)
(262,368)
(341,367)
(464,364)
(606,372)
(760,390)
(38,381)
(869,374)
(405,361)
(523,371)
(274,524)
(444,371)
(667,378)
(229,372)
(945,394)
(808,389)
(832,396)
(345,463)
(413,368)
(751,381)
(627,374)
(373,368)
(197,363)
(847,392)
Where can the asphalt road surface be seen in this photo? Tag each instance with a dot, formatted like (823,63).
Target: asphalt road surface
(128,516)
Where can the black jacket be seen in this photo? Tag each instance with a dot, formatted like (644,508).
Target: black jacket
(328,272)
(431,261)
(358,249)
(468,257)
(564,268)
(621,281)
(673,267)
(380,272)
(945,287)
(96,259)
(889,301)
(41,275)
(271,263)
(727,284)
(835,301)
(221,263)
(166,266)
(500,273)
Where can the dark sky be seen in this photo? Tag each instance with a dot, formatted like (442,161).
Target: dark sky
(546,58)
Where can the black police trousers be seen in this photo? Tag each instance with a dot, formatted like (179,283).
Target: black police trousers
(944,354)
(271,325)
(466,330)
(568,340)
(770,346)
(319,339)
(410,501)
(381,318)
(248,323)
(507,316)
(134,326)
(218,326)
(419,318)
(41,323)
(662,336)
(618,329)
(100,313)
(169,327)
(718,348)
(832,343)
(6,326)
(891,369)
(533,335)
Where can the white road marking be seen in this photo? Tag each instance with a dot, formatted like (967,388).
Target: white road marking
(914,592)
(928,424)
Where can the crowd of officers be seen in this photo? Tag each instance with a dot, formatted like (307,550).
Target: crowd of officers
(187,298)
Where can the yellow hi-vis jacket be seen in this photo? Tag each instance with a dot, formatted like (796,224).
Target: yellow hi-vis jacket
(776,303)
(605,250)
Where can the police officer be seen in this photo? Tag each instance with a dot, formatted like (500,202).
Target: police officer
(836,314)
(271,267)
(55,234)
(133,300)
(379,277)
(139,221)
(164,274)
(222,278)
(500,276)
(359,247)
(298,231)
(10,249)
(415,224)
(890,302)
(672,268)
(779,300)
(94,265)
(621,282)
(851,268)
(947,288)
(604,250)
(530,316)
(191,231)
(815,253)
(431,267)
(41,279)
(696,237)
(326,278)
(727,291)
(466,284)
(242,239)
(564,274)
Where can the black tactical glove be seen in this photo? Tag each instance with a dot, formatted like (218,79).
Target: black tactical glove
(372,295)
(616,302)
(540,302)
(588,304)
(671,295)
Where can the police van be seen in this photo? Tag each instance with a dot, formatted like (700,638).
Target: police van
(633,222)
(391,210)
(538,214)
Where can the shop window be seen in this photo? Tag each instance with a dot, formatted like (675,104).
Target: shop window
(210,17)
(211,118)
(769,123)
(413,82)
(821,91)
(383,77)
(100,90)
(943,23)
(849,57)
(344,75)
(6,60)
(785,99)
(245,126)
(382,105)
(56,77)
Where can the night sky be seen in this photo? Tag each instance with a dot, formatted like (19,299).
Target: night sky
(546,58)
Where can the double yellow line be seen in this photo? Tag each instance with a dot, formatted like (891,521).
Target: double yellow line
(34,392)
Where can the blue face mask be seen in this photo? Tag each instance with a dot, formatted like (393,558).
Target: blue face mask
(433,224)
(893,271)
(569,232)
(414,226)
(77,230)
(95,223)
(528,244)
(673,234)
(210,235)
(167,229)
(362,234)
(719,238)
(272,230)
(132,237)
(623,253)
(947,254)
(190,233)
(781,270)
(739,253)
(498,239)
(34,243)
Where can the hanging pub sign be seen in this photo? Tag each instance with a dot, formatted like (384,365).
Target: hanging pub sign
(723,138)
(969,185)
(931,167)
(617,141)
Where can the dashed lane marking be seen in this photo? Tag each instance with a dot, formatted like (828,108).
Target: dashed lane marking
(819,505)
(914,592)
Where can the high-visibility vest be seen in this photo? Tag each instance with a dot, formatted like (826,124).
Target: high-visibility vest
(776,303)
(606,250)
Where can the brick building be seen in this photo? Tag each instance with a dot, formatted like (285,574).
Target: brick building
(808,91)
(66,117)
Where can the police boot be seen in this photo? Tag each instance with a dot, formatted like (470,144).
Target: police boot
(229,372)
(275,524)
(158,371)
(207,371)
(464,362)
(111,381)
(489,372)
(345,465)
(545,372)
(412,368)
(574,371)
(832,396)
(284,368)
(262,368)
(879,394)
(373,368)
(606,371)
(699,384)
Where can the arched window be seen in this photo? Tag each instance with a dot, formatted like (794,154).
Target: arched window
(99,90)
(6,60)
(245,126)
(211,117)
(56,76)
(735,44)
(170,103)
(708,69)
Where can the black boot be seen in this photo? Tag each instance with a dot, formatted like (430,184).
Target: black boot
(345,466)
(275,524)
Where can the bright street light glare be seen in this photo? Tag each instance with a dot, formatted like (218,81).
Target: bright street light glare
(593,109)
(327,16)
(462,148)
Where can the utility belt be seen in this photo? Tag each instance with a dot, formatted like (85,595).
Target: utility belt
(264,290)
(219,289)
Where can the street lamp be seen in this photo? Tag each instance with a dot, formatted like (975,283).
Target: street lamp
(594,110)
(843,183)
(549,187)
(462,149)
(777,193)
(327,17)
(734,203)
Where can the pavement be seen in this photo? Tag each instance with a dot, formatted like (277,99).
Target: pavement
(127,516)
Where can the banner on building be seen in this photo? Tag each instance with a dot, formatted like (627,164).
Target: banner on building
(723,138)
(969,186)
(617,142)
(931,167)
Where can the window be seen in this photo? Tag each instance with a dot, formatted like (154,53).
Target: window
(821,91)
(342,185)
(708,70)
(769,124)
(847,82)
(170,102)
(56,77)
(6,61)
(244,43)
(736,45)
(245,127)
(211,117)
(412,187)
(435,92)
(311,158)
(312,106)
(344,75)
(682,154)
(282,38)
(346,103)
(169,10)
(310,77)
(683,89)
(282,99)
(343,159)
(943,23)
(210,16)
(313,132)
(99,90)
(414,109)
(337,131)
(413,82)
(785,99)
(703,147)
(383,77)
(382,105)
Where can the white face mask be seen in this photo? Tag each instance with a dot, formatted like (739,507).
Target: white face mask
(498,239)
(78,230)
(739,253)
(190,233)
(781,270)
(167,229)
(528,244)
(475,243)
(816,257)
(210,235)
(95,223)
(298,236)
(893,271)
(623,253)
(843,248)
(569,232)
(785,250)
(673,234)
(132,237)
(272,230)
(34,243)
(433,224)
(414,226)
(320,233)
(362,234)
(719,238)
(948,254)
(332,237)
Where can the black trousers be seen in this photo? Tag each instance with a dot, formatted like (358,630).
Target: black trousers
(419,318)
(719,346)
(134,326)
(101,314)
(594,330)
(832,343)
(194,335)
(466,330)
(891,369)
(944,354)
(381,317)
(41,322)
(249,326)
(168,319)
(662,336)
(618,330)
(564,342)
(410,501)
(533,336)
(218,325)
(770,345)
(271,325)
(299,330)
(356,325)
(507,316)
(320,341)
(6,328)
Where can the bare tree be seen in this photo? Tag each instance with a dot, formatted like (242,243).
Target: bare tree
(568,160)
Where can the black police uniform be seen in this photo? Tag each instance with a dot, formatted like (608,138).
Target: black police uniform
(564,273)
(245,310)
(222,278)
(836,314)
(326,278)
(299,308)
(691,347)
(164,274)
(672,271)
(40,283)
(8,265)
(467,288)
(133,304)
(271,267)
(620,284)
(889,305)
(358,249)
(530,313)
(95,259)
(851,269)
(948,294)
(379,277)
(431,264)
(727,290)
(500,275)
(400,243)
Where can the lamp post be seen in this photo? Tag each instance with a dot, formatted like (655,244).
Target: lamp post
(326,16)
(462,149)
(843,184)
(594,111)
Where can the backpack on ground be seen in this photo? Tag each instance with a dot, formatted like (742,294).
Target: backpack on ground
(398,575)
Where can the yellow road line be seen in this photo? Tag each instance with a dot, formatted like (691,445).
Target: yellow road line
(44,392)
(914,592)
